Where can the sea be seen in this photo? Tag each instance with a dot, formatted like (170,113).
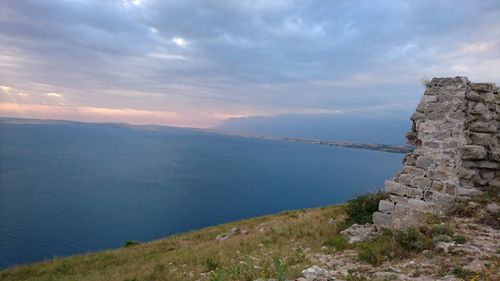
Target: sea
(69,188)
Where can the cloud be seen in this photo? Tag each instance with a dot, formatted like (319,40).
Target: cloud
(56,95)
(243,57)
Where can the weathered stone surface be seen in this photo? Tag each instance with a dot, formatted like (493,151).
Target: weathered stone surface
(473,152)
(482,87)
(423,162)
(357,232)
(394,187)
(481,138)
(386,206)
(483,127)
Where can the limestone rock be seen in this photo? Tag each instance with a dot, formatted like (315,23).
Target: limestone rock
(473,152)
(357,232)
(315,272)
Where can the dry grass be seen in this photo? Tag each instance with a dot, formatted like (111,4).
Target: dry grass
(263,247)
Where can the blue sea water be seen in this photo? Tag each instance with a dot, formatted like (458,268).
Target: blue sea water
(73,188)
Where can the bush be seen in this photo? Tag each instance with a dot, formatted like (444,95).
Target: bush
(336,241)
(212,264)
(459,238)
(377,250)
(360,209)
(279,269)
(130,244)
(413,240)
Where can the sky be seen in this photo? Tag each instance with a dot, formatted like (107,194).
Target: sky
(198,63)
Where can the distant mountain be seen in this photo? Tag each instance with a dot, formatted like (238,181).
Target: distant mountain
(339,127)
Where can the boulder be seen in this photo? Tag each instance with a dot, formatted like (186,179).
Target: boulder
(358,233)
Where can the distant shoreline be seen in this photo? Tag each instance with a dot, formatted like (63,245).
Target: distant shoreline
(392,148)
(369,146)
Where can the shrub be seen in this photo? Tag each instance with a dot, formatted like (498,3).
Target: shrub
(441,229)
(212,264)
(360,209)
(413,240)
(216,276)
(459,238)
(336,241)
(279,269)
(441,238)
(459,272)
(130,243)
(377,250)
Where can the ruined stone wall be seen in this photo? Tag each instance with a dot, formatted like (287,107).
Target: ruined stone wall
(457,152)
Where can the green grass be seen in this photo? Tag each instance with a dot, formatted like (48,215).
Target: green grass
(268,250)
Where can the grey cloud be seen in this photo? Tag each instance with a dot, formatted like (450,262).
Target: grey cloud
(260,56)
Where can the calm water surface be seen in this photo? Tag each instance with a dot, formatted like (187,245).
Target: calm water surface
(73,188)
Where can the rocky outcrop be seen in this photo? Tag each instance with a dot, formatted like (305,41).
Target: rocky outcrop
(457,152)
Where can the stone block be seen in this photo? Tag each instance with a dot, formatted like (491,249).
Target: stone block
(414,192)
(495,154)
(473,152)
(473,96)
(404,179)
(398,199)
(386,206)
(431,144)
(382,220)
(423,162)
(437,185)
(482,87)
(483,127)
(421,205)
(421,182)
(394,187)
(481,138)
(467,192)
(418,116)
(413,171)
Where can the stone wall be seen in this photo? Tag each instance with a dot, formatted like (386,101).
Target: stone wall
(457,152)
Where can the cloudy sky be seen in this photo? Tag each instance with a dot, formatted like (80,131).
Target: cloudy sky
(197,63)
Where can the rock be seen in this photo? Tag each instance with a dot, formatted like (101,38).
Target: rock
(332,221)
(492,207)
(473,152)
(423,162)
(483,127)
(477,265)
(482,87)
(315,272)
(357,233)
(394,187)
(444,246)
(386,206)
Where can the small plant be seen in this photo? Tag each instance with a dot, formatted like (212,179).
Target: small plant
(354,276)
(212,264)
(279,270)
(459,272)
(377,250)
(336,241)
(459,238)
(360,209)
(441,238)
(441,229)
(426,82)
(413,240)
(216,275)
(130,244)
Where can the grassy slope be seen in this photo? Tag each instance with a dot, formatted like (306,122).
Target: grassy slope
(268,250)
